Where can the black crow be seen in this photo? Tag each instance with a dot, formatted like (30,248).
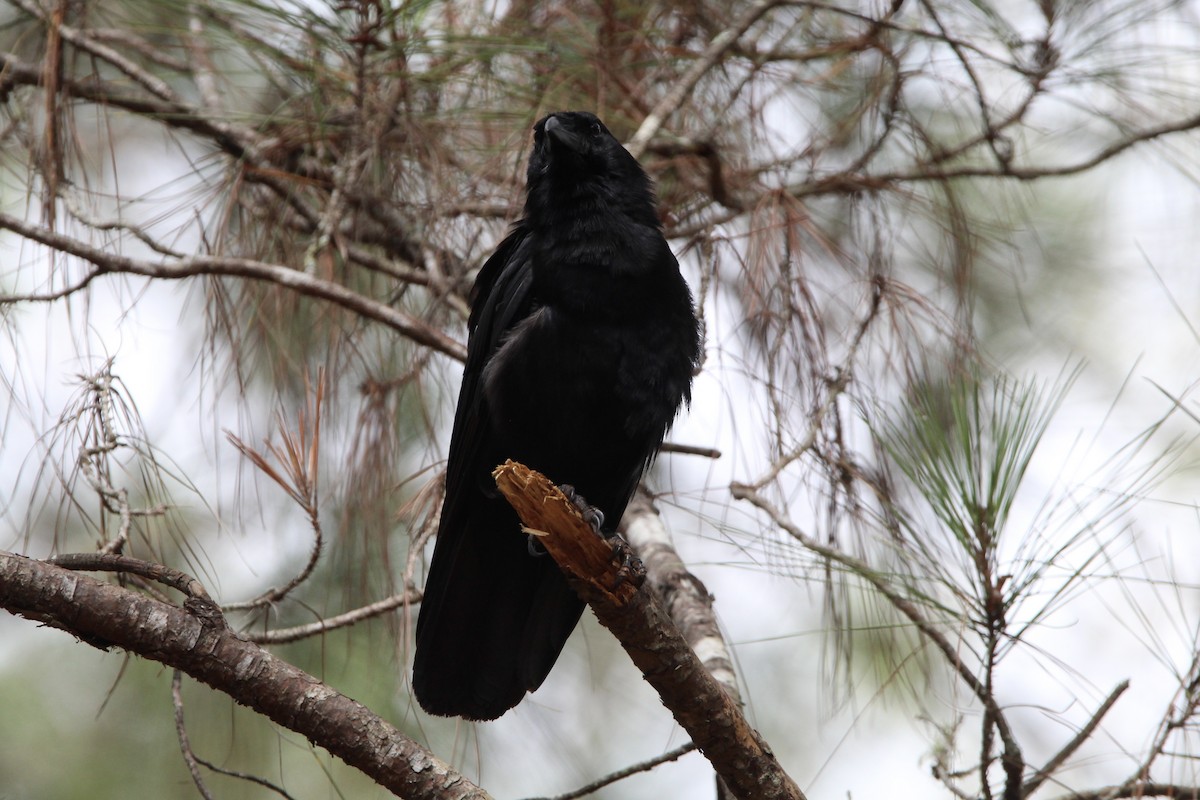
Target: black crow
(583,341)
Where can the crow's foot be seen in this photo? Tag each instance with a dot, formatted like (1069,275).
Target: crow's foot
(591,515)
(534,547)
(631,569)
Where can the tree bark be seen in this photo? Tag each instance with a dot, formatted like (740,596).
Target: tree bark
(685,598)
(196,640)
(635,616)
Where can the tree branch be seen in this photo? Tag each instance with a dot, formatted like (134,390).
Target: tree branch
(621,774)
(712,54)
(112,263)
(185,744)
(700,704)
(111,562)
(844,183)
(900,603)
(408,597)
(1030,786)
(687,599)
(1137,791)
(210,652)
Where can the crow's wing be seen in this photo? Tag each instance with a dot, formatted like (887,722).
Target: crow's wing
(500,299)
(493,618)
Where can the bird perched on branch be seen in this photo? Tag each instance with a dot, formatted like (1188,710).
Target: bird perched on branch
(583,341)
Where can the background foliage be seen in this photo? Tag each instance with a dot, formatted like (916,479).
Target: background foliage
(883,209)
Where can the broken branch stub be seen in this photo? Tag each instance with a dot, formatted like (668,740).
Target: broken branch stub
(549,514)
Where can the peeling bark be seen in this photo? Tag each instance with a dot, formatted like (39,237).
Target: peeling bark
(686,598)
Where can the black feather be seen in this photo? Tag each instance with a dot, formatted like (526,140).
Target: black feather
(582,345)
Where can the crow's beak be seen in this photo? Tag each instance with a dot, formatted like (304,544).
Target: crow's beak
(561,134)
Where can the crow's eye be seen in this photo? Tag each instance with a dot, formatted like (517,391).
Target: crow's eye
(597,129)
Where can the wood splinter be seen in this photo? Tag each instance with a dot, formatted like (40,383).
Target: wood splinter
(546,512)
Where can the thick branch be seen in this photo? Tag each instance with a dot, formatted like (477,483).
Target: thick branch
(701,705)
(213,654)
(685,597)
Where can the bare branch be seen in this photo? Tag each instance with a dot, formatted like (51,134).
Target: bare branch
(835,386)
(189,267)
(229,663)
(690,450)
(843,183)
(1030,786)
(684,596)
(621,774)
(194,762)
(1183,707)
(712,54)
(1136,791)
(699,703)
(203,71)
(379,607)
(185,745)
(896,599)
(108,562)
(85,42)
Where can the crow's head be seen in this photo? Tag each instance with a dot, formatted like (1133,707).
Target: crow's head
(576,158)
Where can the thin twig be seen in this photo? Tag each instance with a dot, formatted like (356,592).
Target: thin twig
(113,263)
(109,562)
(93,460)
(203,71)
(379,607)
(139,233)
(1030,786)
(843,183)
(84,41)
(712,54)
(185,746)
(835,387)
(130,41)
(1137,791)
(242,776)
(885,588)
(1003,155)
(621,774)
(689,450)
(299,460)
(1188,699)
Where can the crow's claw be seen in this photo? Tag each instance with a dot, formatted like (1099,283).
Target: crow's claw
(592,515)
(632,570)
(534,547)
